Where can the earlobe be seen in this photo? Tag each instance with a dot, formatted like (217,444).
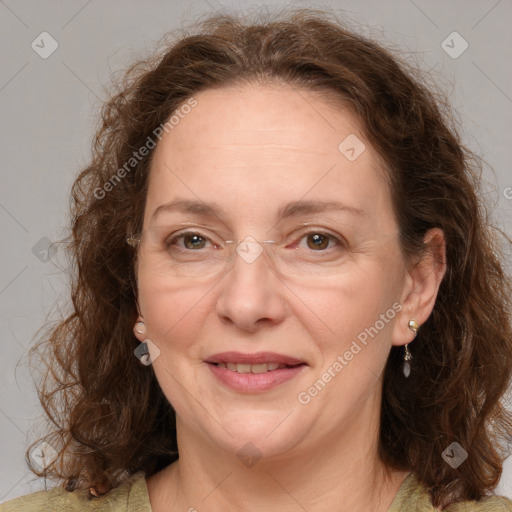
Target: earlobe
(423,280)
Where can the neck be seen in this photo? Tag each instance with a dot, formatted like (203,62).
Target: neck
(343,473)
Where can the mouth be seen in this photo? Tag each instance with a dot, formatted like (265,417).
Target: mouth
(255,368)
(254,372)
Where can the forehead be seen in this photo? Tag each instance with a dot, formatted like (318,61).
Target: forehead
(272,117)
(256,146)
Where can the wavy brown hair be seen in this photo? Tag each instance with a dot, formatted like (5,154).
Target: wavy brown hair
(109,415)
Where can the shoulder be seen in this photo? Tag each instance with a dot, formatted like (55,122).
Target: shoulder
(490,504)
(412,496)
(130,496)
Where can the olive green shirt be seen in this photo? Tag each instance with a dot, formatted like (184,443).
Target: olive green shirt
(132,496)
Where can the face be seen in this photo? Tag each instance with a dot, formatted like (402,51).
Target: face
(269,160)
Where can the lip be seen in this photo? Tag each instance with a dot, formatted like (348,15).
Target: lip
(257,358)
(254,382)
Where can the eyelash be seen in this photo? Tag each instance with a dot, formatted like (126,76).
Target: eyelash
(171,241)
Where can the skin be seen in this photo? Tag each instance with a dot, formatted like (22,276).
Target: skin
(253,148)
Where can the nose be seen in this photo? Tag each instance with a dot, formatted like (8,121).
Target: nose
(251,294)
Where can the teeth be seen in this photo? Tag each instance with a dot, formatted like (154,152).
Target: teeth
(243,368)
(251,368)
(259,368)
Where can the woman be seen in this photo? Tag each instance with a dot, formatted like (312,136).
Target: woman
(284,275)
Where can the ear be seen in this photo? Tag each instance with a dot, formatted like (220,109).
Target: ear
(139,329)
(422,282)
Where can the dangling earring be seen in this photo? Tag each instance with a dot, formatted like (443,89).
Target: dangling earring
(406,369)
(146,352)
(142,350)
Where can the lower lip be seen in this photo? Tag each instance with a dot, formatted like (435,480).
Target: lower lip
(255,382)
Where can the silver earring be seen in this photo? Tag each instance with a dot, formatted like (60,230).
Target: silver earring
(406,369)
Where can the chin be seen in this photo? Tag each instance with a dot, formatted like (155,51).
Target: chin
(267,437)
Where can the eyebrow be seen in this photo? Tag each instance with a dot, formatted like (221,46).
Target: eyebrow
(291,209)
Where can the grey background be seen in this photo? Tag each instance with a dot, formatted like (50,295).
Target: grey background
(48,110)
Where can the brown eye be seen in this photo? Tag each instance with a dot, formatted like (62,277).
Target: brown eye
(187,241)
(317,241)
(193,241)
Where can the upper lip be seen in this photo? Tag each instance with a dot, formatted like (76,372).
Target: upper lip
(257,358)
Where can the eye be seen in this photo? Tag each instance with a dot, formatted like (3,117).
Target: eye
(319,241)
(189,240)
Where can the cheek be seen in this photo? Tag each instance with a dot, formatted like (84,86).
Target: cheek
(174,314)
(354,300)
(172,310)
(353,318)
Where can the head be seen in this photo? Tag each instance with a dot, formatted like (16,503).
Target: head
(237,116)
(254,149)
